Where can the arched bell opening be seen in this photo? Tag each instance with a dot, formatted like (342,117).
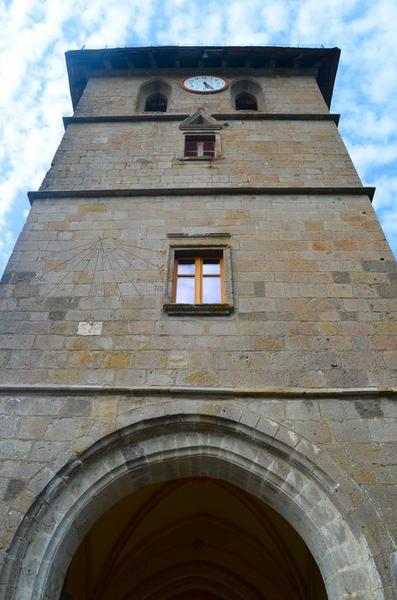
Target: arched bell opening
(247,94)
(193,538)
(154,96)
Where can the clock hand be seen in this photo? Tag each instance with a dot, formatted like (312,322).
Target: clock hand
(208,86)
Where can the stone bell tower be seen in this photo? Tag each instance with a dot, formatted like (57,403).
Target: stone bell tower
(197,342)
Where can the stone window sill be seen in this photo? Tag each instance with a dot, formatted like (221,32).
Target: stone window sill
(197,158)
(211,310)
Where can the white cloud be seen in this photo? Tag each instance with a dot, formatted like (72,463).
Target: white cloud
(367,156)
(275,17)
(385,205)
(6,243)
(244,24)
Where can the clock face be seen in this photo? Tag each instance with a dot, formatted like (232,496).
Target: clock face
(205,84)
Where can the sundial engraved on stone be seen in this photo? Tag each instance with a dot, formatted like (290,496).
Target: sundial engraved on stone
(102,268)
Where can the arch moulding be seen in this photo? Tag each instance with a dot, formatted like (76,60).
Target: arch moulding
(250,451)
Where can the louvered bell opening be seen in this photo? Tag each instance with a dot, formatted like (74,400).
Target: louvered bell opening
(156,103)
(246,101)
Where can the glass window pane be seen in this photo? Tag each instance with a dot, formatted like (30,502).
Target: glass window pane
(211,266)
(185,290)
(212,290)
(186,267)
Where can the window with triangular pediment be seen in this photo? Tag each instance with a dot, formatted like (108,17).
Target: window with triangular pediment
(201,136)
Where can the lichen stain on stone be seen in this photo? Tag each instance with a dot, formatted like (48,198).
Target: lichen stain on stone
(309,404)
(117,360)
(340,532)
(368,409)
(14,487)
(79,344)
(201,378)
(85,277)
(92,207)
(132,452)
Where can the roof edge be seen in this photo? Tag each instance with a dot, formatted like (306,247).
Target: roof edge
(83,64)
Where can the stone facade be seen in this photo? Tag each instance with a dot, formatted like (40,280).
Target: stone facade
(312,282)
(284,94)
(145,155)
(299,378)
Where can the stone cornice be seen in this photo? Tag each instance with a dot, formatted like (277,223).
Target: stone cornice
(239,116)
(125,118)
(258,116)
(202,392)
(198,191)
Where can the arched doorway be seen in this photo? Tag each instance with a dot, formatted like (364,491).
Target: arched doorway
(249,451)
(193,538)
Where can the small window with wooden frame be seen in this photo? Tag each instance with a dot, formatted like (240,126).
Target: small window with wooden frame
(200,281)
(199,146)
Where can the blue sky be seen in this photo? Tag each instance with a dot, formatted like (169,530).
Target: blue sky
(34,93)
